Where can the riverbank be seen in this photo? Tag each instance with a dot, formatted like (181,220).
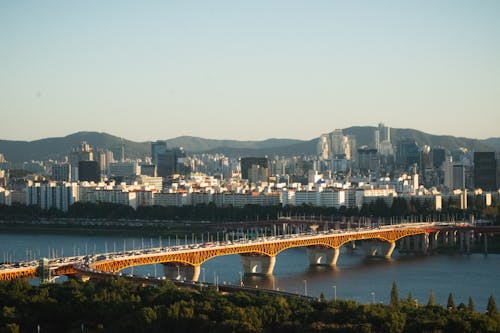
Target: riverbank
(104,226)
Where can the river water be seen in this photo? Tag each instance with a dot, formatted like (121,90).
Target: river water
(355,277)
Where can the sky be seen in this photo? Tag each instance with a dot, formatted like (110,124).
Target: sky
(248,70)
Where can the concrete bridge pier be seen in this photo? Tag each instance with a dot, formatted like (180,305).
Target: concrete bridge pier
(433,241)
(451,238)
(468,236)
(179,271)
(322,256)
(425,243)
(254,264)
(392,246)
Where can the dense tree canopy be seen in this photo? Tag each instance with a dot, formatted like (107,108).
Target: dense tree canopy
(400,208)
(119,306)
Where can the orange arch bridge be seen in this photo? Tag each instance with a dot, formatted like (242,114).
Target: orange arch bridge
(322,249)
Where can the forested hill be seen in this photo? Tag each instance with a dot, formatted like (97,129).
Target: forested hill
(58,148)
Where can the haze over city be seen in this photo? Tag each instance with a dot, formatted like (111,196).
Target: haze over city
(248,70)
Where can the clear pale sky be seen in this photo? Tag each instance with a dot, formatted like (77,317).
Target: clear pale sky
(248,70)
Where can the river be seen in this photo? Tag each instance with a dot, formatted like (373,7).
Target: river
(355,277)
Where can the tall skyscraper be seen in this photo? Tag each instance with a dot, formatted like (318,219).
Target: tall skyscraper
(438,157)
(368,160)
(248,162)
(170,161)
(61,172)
(485,171)
(407,153)
(157,148)
(323,148)
(89,171)
(384,133)
(340,145)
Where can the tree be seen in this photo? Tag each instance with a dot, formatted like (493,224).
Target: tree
(432,299)
(470,305)
(491,309)
(394,295)
(450,305)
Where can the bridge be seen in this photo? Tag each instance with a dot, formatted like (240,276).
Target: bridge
(258,255)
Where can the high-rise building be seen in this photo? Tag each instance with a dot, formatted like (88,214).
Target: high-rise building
(171,161)
(340,145)
(323,148)
(157,148)
(407,153)
(368,160)
(426,158)
(148,170)
(61,172)
(384,133)
(376,139)
(458,176)
(123,169)
(89,171)
(438,157)
(81,153)
(485,171)
(248,162)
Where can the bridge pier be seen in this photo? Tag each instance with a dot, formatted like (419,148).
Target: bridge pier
(179,271)
(468,236)
(392,246)
(425,243)
(375,248)
(254,264)
(322,256)
(433,240)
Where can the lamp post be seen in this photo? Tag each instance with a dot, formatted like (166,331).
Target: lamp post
(203,271)
(305,287)
(373,297)
(335,293)
(241,279)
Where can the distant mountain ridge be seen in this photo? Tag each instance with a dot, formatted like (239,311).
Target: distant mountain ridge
(58,148)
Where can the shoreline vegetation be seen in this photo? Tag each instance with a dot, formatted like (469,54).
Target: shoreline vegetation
(101,212)
(117,305)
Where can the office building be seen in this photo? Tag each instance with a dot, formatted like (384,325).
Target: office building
(485,171)
(157,148)
(368,160)
(61,172)
(407,154)
(247,163)
(89,171)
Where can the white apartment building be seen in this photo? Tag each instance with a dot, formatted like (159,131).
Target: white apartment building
(177,199)
(52,195)
(366,196)
(122,197)
(156,182)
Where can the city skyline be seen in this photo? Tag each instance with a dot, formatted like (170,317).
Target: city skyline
(248,71)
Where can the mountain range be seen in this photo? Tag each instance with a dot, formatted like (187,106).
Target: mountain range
(58,148)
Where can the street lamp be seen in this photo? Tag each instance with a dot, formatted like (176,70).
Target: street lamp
(335,293)
(373,297)
(203,271)
(241,279)
(305,287)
